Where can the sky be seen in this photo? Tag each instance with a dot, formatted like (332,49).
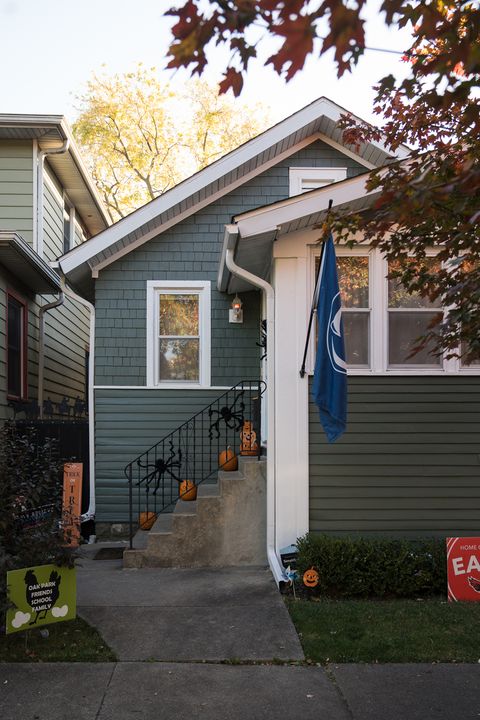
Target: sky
(50,48)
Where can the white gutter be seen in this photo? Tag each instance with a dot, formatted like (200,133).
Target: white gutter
(90,514)
(272,554)
(38,237)
(41,347)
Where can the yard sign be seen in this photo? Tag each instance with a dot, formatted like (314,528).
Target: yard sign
(41,595)
(463,568)
(72,498)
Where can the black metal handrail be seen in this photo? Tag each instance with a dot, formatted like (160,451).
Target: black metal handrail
(158,477)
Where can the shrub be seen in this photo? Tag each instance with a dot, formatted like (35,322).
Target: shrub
(29,479)
(374,567)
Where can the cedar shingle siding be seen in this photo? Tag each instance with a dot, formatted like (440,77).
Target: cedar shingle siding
(188,251)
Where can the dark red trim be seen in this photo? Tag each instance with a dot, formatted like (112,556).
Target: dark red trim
(21,300)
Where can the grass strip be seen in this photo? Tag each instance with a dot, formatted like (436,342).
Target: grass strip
(387,631)
(72,641)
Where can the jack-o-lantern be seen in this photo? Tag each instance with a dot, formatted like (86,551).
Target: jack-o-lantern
(146,520)
(227,460)
(188,490)
(311,577)
(248,437)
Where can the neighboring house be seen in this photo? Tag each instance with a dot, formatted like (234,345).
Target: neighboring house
(48,205)
(408,463)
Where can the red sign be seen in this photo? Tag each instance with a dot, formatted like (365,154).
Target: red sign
(463,568)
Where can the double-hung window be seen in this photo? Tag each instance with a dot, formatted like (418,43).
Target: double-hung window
(16,347)
(178,333)
(409,318)
(354,282)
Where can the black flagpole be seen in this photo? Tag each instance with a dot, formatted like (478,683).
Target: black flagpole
(313,308)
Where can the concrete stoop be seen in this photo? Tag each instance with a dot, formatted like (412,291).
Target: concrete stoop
(225,526)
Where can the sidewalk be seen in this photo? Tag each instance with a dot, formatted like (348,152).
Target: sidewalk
(187,641)
(186,691)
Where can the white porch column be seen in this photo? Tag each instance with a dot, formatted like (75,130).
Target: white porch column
(292,288)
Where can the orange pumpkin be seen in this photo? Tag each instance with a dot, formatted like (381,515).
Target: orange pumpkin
(227,460)
(311,577)
(146,520)
(188,490)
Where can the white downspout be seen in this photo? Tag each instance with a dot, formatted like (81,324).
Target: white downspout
(90,514)
(38,236)
(41,347)
(272,555)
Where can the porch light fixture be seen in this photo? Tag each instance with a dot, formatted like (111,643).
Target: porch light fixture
(235,314)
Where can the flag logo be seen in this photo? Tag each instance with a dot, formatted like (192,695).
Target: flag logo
(330,376)
(334,338)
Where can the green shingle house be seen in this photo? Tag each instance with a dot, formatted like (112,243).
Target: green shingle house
(163,280)
(48,205)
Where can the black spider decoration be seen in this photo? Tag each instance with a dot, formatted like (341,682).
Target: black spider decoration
(231,415)
(263,339)
(160,468)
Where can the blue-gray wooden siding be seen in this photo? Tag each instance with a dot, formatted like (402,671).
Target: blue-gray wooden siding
(188,251)
(409,463)
(191,251)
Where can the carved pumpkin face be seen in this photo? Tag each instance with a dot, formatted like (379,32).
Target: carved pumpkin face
(310,577)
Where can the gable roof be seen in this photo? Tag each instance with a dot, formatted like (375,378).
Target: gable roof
(50,131)
(317,121)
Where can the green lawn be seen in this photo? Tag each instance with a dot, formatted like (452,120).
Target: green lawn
(387,631)
(72,641)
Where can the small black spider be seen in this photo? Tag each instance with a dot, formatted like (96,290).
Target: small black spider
(231,415)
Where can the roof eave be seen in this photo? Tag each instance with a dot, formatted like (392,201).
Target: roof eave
(22,262)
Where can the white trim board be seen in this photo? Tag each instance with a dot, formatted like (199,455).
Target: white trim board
(213,388)
(256,222)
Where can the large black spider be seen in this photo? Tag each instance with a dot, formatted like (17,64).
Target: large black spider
(232,417)
(160,468)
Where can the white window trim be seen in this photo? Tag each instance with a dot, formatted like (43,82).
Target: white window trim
(298,174)
(378,299)
(203,289)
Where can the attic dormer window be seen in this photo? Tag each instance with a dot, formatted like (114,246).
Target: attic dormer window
(307,178)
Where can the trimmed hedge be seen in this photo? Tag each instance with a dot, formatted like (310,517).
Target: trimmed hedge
(360,567)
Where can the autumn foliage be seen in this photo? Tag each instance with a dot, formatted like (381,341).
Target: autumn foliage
(431,200)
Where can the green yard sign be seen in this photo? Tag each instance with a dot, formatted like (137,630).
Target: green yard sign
(40,595)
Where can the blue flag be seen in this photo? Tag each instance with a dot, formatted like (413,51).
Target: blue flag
(330,377)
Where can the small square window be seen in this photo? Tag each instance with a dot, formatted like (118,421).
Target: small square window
(305,179)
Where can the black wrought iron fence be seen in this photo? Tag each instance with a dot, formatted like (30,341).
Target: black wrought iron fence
(195,451)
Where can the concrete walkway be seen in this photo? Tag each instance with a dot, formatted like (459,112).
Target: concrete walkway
(183,615)
(194,636)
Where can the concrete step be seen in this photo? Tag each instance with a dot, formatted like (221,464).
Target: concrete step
(224,526)
(206,491)
(140,539)
(162,524)
(185,507)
